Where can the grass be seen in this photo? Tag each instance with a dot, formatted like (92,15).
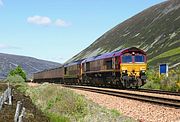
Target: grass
(63,105)
(166,54)
(57,118)
(115,112)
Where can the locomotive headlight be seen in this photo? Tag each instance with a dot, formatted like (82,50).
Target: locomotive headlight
(143,71)
(124,71)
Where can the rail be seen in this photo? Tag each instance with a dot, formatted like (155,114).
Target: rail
(130,95)
(157,91)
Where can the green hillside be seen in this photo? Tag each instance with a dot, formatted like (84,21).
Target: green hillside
(156,30)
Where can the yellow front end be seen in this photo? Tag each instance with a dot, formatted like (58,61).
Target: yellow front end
(133,69)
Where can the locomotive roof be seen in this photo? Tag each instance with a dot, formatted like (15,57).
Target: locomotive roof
(73,63)
(113,54)
(102,56)
(106,55)
(132,49)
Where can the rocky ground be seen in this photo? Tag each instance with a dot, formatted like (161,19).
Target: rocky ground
(141,111)
(32,113)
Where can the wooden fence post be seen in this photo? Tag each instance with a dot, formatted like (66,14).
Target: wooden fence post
(22,115)
(10,95)
(5,95)
(18,108)
(1,102)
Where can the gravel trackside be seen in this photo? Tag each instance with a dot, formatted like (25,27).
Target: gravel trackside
(142,111)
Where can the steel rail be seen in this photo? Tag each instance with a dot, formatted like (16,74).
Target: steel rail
(148,98)
(157,91)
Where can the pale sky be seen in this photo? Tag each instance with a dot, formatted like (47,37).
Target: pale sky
(56,30)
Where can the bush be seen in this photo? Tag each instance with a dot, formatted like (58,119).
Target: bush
(18,82)
(14,79)
(18,71)
(170,83)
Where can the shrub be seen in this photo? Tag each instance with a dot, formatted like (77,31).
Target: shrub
(153,81)
(18,82)
(18,71)
(14,79)
(170,83)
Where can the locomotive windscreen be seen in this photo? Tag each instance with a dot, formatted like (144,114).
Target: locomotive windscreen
(126,59)
(139,58)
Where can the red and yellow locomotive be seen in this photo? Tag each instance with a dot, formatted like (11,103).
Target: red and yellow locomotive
(123,68)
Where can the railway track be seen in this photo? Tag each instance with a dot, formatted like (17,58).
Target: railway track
(157,91)
(150,96)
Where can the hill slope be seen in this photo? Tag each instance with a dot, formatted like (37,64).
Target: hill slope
(29,64)
(155,30)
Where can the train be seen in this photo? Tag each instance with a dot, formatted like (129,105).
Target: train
(125,68)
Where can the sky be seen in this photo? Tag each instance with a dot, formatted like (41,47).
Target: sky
(56,30)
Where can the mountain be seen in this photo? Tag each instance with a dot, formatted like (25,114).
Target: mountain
(156,30)
(29,64)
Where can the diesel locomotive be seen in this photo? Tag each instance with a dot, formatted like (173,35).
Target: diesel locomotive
(123,68)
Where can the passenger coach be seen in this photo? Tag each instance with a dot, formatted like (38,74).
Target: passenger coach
(51,75)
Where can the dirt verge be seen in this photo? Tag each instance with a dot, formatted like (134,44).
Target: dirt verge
(32,113)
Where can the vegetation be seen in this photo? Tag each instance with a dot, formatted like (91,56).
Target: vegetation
(161,82)
(63,105)
(159,38)
(167,54)
(17,78)
(14,79)
(18,71)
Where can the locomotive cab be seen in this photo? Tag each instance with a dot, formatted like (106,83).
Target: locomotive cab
(133,67)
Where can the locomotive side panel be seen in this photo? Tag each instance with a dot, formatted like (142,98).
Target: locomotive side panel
(101,65)
(72,71)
